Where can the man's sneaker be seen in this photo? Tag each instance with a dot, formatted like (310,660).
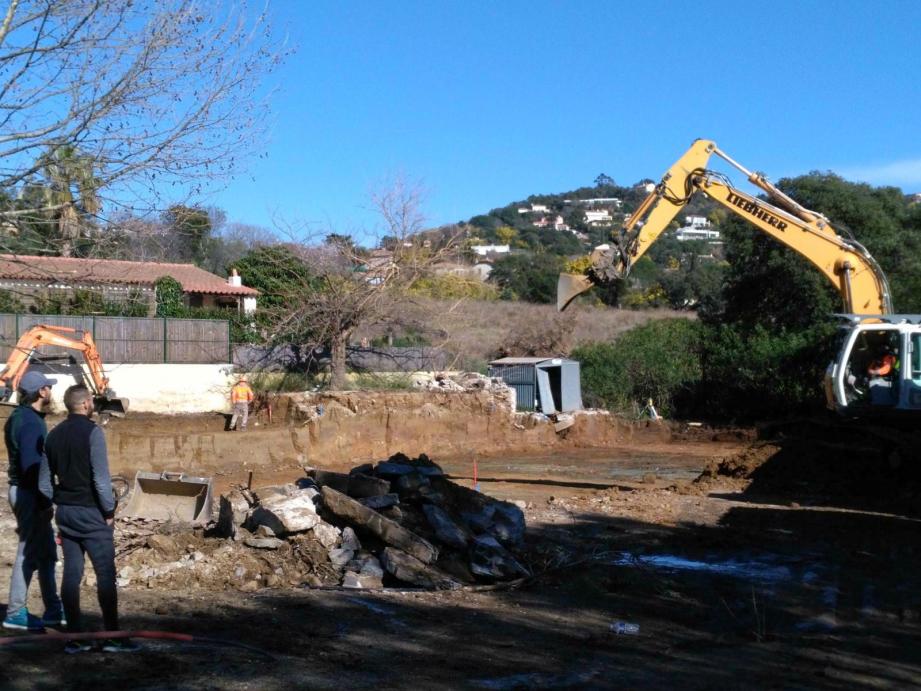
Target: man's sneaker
(23,621)
(54,620)
(119,645)
(74,647)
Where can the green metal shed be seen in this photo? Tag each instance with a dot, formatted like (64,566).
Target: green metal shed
(547,385)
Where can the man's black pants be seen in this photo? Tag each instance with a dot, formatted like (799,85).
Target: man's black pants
(84,531)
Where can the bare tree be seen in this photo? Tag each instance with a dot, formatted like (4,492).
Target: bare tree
(144,94)
(344,287)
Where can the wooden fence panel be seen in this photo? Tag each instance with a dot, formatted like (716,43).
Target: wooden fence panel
(197,340)
(125,340)
(130,339)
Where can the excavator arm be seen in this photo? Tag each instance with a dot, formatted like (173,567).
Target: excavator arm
(844,261)
(65,337)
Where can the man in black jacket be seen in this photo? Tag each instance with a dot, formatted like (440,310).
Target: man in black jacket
(76,476)
(25,433)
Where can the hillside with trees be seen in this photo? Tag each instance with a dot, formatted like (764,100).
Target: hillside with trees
(545,231)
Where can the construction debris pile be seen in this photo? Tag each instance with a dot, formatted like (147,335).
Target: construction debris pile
(464,381)
(397,523)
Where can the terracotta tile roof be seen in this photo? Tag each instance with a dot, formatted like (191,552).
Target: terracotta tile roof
(114,272)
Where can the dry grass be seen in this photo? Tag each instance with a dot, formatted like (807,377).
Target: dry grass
(481,330)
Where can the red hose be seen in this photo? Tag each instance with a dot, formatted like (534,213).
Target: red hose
(99,635)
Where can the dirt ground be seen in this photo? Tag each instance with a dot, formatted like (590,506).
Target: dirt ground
(733,581)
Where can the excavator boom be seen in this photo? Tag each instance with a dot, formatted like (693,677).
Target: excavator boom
(845,262)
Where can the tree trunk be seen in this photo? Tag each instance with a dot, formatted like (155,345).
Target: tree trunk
(337,360)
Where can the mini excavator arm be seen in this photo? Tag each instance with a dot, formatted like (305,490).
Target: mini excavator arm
(845,262)
(65,337)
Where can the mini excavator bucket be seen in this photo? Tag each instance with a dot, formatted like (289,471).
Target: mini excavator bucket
(116,407)
(171,497)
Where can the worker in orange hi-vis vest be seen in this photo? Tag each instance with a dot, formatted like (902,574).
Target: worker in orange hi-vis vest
(240,397)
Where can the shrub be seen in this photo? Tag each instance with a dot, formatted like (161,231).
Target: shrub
(754,373)
(169,297)
(660,360)
(453,287)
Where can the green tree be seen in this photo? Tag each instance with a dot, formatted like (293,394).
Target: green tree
(59,205)
(529,277)
(189,230)
(660,360)
(273,270)
(506,235)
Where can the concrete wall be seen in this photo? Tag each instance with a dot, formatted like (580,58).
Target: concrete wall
(160,388)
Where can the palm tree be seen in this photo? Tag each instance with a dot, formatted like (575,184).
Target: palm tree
(70,193)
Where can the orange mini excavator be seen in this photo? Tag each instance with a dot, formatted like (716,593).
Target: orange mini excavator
(40,335)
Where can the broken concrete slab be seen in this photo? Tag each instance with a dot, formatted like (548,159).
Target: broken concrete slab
(392,469)
(445,528)
(232,510)
(263,542)
(363,469)
(285,514)
(408,485)
(269,491)
(389,531)
(326,478)
(508,524)
(264,531)
(326,534)
(489,559)
(410,570)
(382,501)
(350,539)
(479,521)
(340,556)
(361,486)
(360,580)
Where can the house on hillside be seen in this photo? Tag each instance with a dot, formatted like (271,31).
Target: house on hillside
(486,250)
(378,265)
(697,228)
(557,223)
(598,218)
(33,278)
(534,209)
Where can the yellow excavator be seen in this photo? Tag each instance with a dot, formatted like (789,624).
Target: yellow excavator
(871,330)
(82,341)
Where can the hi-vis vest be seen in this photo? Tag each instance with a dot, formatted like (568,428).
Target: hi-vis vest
(240,393)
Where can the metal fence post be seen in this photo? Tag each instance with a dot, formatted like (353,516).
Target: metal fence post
(229,345)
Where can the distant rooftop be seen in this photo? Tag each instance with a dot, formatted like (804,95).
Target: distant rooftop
(69,270)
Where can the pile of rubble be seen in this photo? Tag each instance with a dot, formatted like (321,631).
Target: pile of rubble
(463,381)
(399,522)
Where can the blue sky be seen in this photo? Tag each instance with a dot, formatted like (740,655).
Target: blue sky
(487,102)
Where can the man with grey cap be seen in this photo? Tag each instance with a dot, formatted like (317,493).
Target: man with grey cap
(25,433)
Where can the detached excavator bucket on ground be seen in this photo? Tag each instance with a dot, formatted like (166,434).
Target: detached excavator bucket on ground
(172,497)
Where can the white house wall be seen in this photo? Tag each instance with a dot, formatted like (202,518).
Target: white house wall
(163,388)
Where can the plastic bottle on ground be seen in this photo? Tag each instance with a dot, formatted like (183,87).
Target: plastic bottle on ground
(625,628)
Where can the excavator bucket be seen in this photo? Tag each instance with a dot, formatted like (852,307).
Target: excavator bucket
(171,497)
(569,286)
(116,407)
